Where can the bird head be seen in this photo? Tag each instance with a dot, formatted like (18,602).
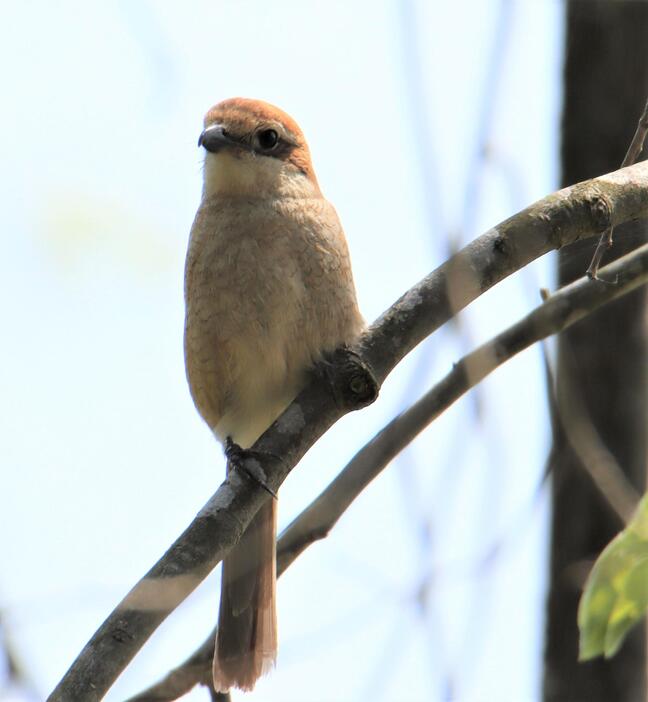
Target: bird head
(254,149)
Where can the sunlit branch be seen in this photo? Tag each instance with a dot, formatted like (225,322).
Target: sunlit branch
(558,312)
(571,214)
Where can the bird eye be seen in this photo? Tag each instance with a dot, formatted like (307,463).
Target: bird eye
(267,139)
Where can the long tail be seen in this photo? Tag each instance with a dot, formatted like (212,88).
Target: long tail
(246,643)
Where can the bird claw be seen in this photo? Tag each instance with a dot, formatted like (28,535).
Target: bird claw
(237,458)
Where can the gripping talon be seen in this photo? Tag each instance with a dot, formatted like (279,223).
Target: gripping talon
(236,458)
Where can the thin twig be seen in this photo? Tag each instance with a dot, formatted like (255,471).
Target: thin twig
(558,312)
(572,423)
(15,670)
(605,242)
(559,219)
(593,455)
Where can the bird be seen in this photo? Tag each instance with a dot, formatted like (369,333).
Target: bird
(269,292)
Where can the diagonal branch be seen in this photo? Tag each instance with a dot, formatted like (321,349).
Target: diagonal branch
(561,218)
(558,312)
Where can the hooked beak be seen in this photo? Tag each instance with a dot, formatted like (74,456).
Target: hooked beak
(214,138)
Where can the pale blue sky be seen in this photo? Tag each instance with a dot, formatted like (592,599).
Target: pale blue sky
(104,459)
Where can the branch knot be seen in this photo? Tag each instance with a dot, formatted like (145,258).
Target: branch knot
(600,209)
(350,378)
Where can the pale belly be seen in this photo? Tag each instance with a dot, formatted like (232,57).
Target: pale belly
(246,366)
(266,384)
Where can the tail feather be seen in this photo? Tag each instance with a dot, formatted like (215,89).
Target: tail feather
(246,643)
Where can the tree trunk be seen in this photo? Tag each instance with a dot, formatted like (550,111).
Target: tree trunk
(602,361)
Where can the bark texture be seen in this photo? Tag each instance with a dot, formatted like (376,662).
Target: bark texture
(350,380)
(602,360)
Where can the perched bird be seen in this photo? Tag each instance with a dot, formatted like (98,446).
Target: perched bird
(268,291)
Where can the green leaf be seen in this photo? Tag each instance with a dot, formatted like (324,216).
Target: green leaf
(616,593)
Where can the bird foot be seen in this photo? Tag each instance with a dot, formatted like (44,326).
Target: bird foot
(247,462)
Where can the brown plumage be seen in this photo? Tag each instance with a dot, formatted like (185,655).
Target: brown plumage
(268,289)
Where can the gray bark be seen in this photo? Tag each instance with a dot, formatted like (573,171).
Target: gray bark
(583,210)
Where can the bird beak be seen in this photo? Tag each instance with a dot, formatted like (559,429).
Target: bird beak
(214,138)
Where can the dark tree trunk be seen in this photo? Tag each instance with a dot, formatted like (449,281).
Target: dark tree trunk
(602,361)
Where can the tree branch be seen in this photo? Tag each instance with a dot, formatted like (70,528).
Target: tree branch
(558,312)
(561,218)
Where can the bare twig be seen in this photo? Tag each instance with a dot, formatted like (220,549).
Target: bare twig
(592,453)
(559,219)
(558,312)
(605,242)
(571,421)
(637,144)
(15,670)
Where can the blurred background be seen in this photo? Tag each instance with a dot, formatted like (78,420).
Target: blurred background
(428,124)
